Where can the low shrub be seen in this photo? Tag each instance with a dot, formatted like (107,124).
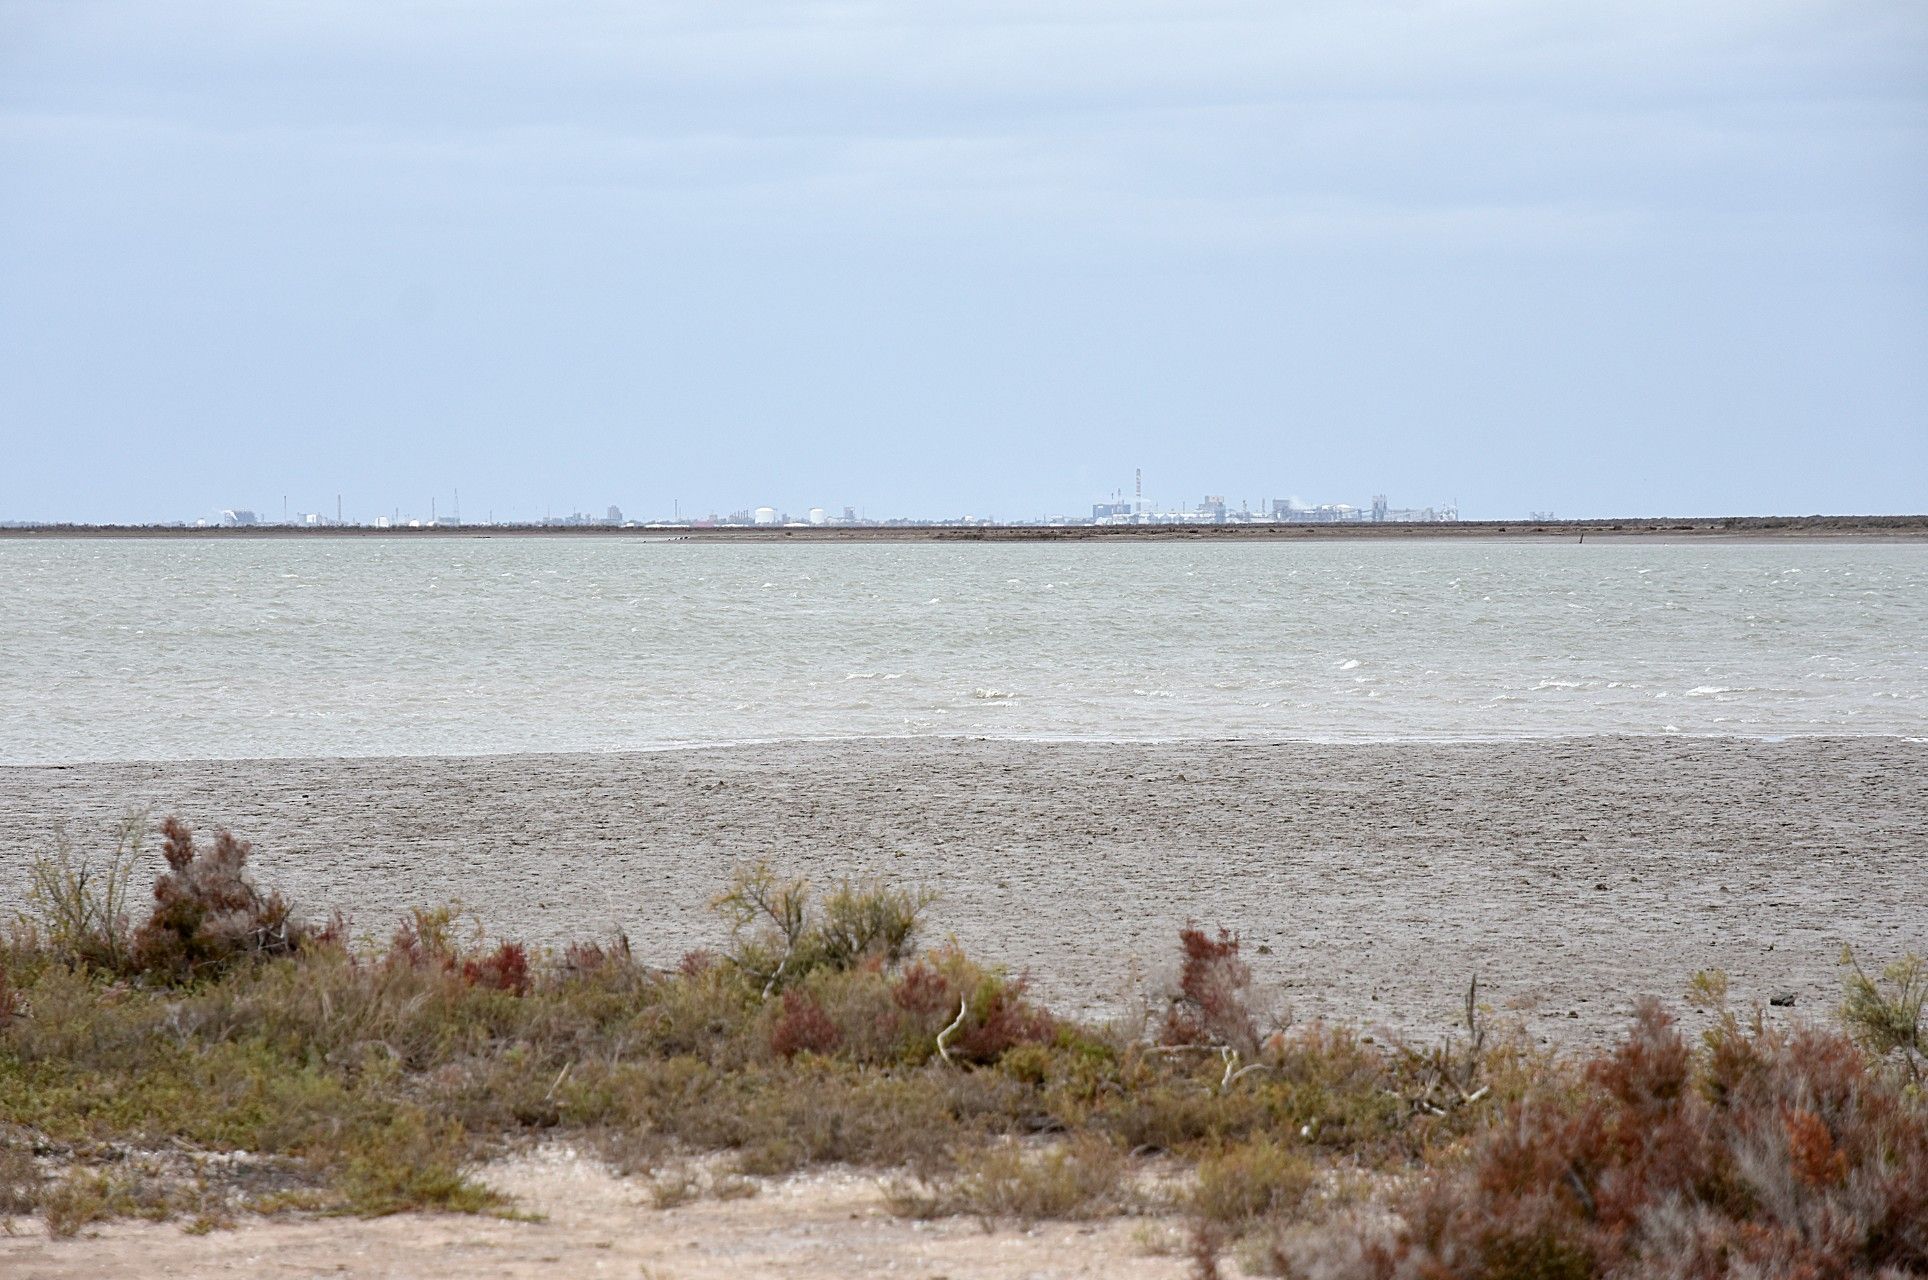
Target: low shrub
(208,913)
(77,903)
(1083,1177)
(504,969)
(780,935)
(980,1013)
(803,1027)
(1212,1002)
(20,1179)
(1261,1178)
(869,920)
(1885,1014)
(674,1188)
(83,1197)
(412,1162)
(1770,1153)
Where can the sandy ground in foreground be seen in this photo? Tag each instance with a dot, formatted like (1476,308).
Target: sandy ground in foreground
(1369,881)
(810,1227)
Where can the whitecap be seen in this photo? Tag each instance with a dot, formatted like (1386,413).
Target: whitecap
(1348,664)
(992,695)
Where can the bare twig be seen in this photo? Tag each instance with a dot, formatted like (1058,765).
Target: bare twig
(560,1077)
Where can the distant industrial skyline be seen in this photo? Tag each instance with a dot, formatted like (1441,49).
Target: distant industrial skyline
(1118,506)
(1112,509)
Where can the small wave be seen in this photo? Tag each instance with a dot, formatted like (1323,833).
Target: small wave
(993,695)
(1561,684)
(1153,693)
(1348,664)
(1708,690)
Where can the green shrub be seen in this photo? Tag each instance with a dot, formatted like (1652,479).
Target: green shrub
(1260,1178)
(78,903)
(779,936)
(1080,1178)
(1884,1014)
(20,1179)
(411,1163)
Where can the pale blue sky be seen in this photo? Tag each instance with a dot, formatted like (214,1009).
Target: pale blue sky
(936,258)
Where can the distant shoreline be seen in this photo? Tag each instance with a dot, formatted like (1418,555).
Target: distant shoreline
(1883,528)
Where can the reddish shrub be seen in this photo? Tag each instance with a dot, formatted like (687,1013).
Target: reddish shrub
(421,941)
(997,1019)
(582,958)
(1002,1021)
(504,969)
(1775,1154)
(1811,1152)
(802,1026)
(1211,1003)
(696,963)
(208,912)
(924,989)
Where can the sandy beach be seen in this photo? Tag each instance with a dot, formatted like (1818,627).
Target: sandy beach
(1369,881)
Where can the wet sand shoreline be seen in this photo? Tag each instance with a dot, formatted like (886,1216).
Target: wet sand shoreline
(1570,875)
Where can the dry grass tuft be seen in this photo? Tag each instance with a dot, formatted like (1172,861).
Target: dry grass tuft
(1079,1178)
(1259,1179)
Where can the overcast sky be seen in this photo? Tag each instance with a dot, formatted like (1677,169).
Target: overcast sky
(936,258)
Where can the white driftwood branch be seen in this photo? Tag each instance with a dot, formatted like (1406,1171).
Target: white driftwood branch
(943,1037)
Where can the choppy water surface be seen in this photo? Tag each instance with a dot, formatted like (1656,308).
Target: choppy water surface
(164,649)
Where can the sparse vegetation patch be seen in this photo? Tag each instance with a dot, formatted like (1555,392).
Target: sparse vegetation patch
(312,1074)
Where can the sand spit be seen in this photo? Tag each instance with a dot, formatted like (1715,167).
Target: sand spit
(830,1223)
(1369,881)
